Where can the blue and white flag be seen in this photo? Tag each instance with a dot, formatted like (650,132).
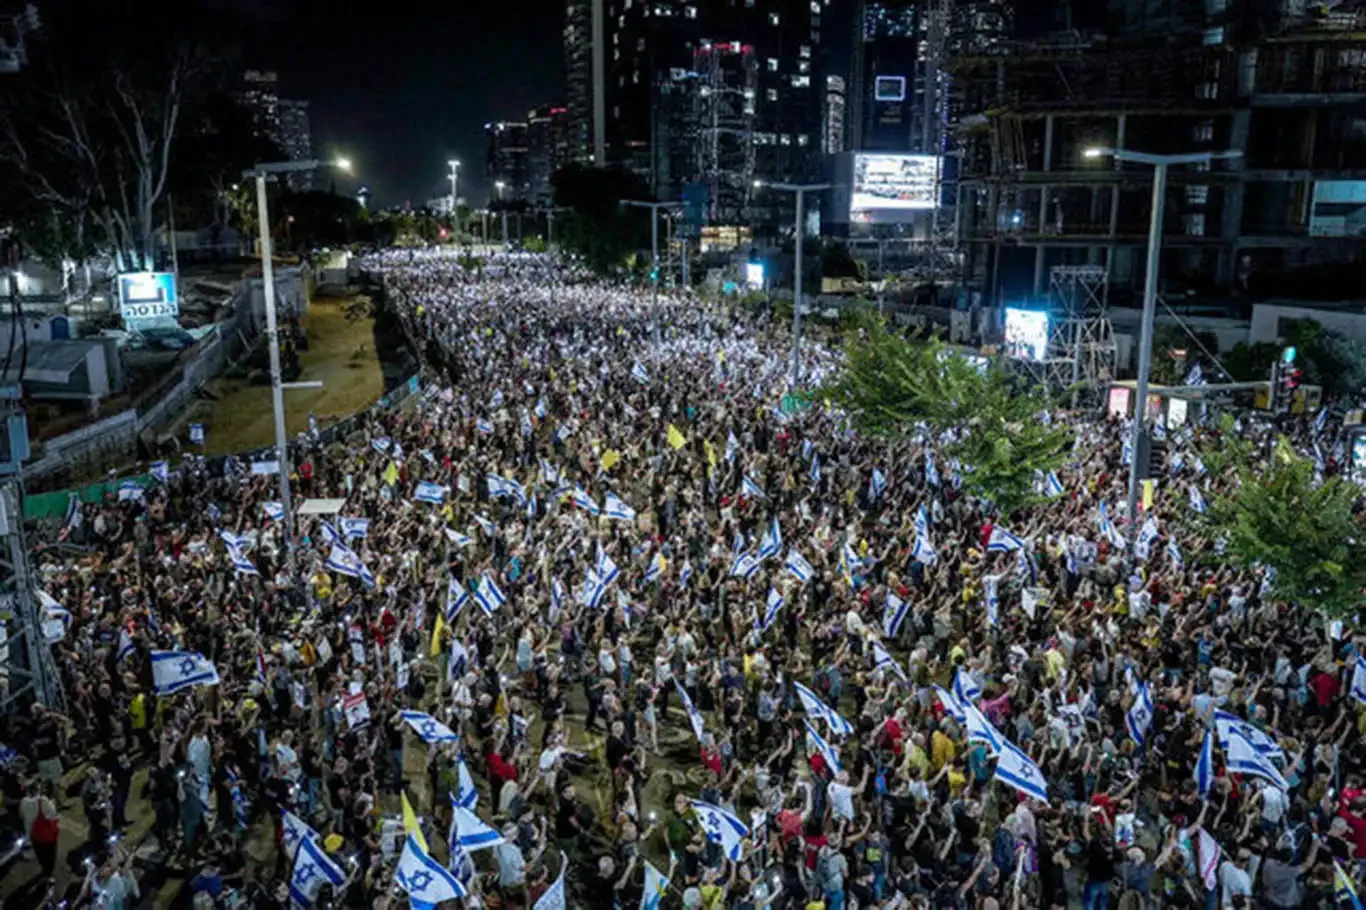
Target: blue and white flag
(830,754)
(423,879)
(161,470)
(484,426)
(554,896)
(952,706)
(354,527)
(1243,757)
(197,433)
(1002,541)
(981,730)
(173,671)
(1140,716)
(744,566)
(655,571)
(721,828)
(273,510)
(1052,486)
(1359,680)
(797,565)
(815,470)
(295,831)
(1174,553)
(1126,451)
(329,533)
(732,445)
(751,490)
(1204,766)
(469,832)
(617,510)
(685,573)
(380,444)
(931,471)
(923,552)
(581,499)
(639,374)
(486,525)
(694,718)
(656,887)
(992,598)
(965,688)
(312,869)
(239,559)
(771,608)
(1018,770)
(882,660)
(772,543)
(1226,725)
(345,561)
(126,646)
(428,728)
(466,795)
(427,491)
(1320,420)
(488,596)
(894,612)
(74,518)
(1197,501)
(877,484)
(814,706)
(1195,376)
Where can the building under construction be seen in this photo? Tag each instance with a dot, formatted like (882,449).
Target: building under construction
(1282,82)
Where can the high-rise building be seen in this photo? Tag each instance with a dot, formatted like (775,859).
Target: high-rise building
(296,140)
(548,149)
(578,78)
(260,96)
(836,104)
(283,121)
(507,161)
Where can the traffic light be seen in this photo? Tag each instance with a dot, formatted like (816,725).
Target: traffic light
(1285,379)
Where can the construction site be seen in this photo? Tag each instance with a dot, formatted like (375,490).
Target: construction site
(1275,91)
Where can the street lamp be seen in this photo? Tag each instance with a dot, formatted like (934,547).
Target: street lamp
(1159,163)
(277,399)
(654,208)
(454,165)
(500,186)
(800,190)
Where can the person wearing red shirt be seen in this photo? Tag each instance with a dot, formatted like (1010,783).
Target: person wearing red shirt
(1325,686)
(500,770)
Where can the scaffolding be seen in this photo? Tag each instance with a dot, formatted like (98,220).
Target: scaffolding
(725,114)
(27,672)
(1081,341)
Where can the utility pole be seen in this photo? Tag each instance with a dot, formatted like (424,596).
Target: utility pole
(599,85)
(654,208)
(800,190)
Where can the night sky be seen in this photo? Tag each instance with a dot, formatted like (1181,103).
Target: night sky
(401,86)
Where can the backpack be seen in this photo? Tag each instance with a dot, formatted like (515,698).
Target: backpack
(827,871)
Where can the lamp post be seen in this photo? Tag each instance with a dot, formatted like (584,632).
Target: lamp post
(454,166)
(277,399)
(654,208)
(1160,164)
(500,186)
(800,189)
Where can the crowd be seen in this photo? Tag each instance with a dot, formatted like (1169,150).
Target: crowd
(602,620)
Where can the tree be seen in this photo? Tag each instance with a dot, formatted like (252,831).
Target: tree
(890,383)
(598,227)
(1174,351)
(1277,513)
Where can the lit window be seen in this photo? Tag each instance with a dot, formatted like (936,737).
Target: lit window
(774,19)
(640,44)
(1197,194)
(690,12)
(773,64)
(803,66)
(785,139)
(635,78)
(805,52)
(1195,225)
(801,140)
(801,81)
(1204,132)
(749,107)
(815,8)
(772,94)
(616,53)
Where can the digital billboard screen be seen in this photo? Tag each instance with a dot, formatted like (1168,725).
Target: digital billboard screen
(1338,209)
(889,88)
(145,296)
(896,183)
(1026,333)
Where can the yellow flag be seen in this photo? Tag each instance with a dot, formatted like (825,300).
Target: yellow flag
(610,459)
(410,825)
(391,474)
(435,649)
(711,452)
(676,438)
(1148,489)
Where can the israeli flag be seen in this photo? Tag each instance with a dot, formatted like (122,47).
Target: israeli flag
(876,484)
(882,659)
(1052,486)
(965,688)
(1126,452)
(797,565)
(923,552)
(428,728)
(1195,376)
(173,671)
(1174,553)
(1359,680)
(1204,766)
(992,598)
(685,573)
(656,887)
(732,445)
(74,519)
(1197,501)
(772,543)
(330,534)
(751,490)
(721,828)
(1243,757)
(197,433)
(815,470)
(354,527)
(312,869)
(1017,769)
(488,527)
(952,706)
(484,426)
(344,561)
(771,608)
(161,470)
(466,795)
(1002,541)
(549,474)
(460,540)
(744,566)
(694,718)
(488,596)
(468,832)
(423,879)
(894,613)
(126,647)
(556,600)
(931,471)
(605,566)
(273,510)
(981,730)
(656,569)
(813,705)
(639,374)
(585,502)
(831,755)
(427,491)
(239,560)
(1140,716)
(1226,725)
(1344,892)
(295,831)
(1320,421)
(617,510)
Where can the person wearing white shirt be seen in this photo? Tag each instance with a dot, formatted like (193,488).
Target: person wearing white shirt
(1274,805)
(1234,879)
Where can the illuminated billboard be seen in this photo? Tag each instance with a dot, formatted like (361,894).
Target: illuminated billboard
(889,88)
(1026,333)
(898,183)
(147,296)
(1338,209)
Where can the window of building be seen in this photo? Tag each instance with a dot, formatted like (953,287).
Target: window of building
(635,78)
(785,139)
(801,81)
(1203,132)
(773,64)
(771,94)
(815,8)
(749,4)
(805,52)
(1195,225)
(801,139)
(640,44)
(803,66)
(774,19)
(690,12)
(1197,194)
